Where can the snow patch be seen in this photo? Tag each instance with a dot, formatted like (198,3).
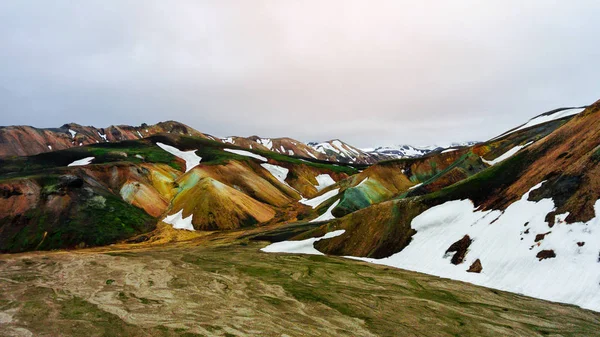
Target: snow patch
(266,142)
(548,118)
(191,159)
(300,247)
(179,222)
(327,215)
(73,133)
(82,162)
(246,153)
(324,181)
(316,201)
(102,136)
(413,187)
(362,182)
(278,172)
(506,155)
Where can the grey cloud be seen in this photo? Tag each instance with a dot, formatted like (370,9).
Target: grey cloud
(371,73)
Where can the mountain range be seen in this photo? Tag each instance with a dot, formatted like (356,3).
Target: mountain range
(27,140)
(517,212)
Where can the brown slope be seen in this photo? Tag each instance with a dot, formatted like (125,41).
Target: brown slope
(62,210)
(27,140)
(247,177)
(567,159)
(216,206)
(147,186)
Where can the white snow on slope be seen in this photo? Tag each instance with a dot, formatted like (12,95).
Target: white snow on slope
(544,119)
(139,134)
(179,222)
(362,182)
(327,215)
(323,181)
(49,147)
(246,153)
(505,244)
(506,155)
(300,247)
(191,159)
(102,136)
(82,162)
(413,187)
(316,201)
(278,172)
(266,142)
(506,252)
(449,150)
(73,133)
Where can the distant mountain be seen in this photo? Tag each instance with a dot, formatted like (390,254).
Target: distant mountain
(409,151)
(27,140)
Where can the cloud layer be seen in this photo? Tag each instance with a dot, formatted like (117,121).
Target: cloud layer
(371,73)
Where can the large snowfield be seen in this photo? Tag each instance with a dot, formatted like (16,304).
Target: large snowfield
(505,244)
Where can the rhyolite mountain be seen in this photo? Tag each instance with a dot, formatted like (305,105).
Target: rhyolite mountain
(517,212)
(27,140)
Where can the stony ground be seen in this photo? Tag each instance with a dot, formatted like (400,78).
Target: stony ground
(233,289)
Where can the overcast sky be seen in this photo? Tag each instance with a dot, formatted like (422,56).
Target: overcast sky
(368,72)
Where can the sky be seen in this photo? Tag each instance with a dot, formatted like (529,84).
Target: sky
(368,72)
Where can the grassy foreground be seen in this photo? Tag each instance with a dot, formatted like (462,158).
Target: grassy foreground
(235,290)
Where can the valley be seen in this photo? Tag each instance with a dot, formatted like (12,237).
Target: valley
(222,285)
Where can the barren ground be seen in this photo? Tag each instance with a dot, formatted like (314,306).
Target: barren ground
(218,286)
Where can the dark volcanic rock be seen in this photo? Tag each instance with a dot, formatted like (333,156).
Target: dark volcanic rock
(475,267)
(546,254)
(460,248)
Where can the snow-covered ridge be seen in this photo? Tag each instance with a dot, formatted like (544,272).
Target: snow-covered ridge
(409,151)
(336,146)
(544,118)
